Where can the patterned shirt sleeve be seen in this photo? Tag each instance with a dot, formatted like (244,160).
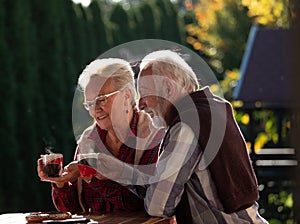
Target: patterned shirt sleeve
(65,199)
(150,158)
(175,166)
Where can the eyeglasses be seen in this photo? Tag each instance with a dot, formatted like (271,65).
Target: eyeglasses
(98,101)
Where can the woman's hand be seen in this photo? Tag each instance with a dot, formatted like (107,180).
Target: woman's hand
(100,177)
(69,173)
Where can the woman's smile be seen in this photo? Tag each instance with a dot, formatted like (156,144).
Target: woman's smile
(101,117)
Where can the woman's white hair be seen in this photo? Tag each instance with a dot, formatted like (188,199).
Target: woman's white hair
(169,63)
(117,70)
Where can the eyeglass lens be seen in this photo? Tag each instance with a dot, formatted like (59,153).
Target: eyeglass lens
(99,101)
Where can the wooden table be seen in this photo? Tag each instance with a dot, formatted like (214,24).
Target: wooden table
(110,218)
(128,217)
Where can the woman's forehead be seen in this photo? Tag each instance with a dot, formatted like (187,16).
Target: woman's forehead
(98,85)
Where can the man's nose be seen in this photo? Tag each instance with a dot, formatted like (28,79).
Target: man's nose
(142,104)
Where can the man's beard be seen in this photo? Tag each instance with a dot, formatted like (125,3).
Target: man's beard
(157,114)
(158,121)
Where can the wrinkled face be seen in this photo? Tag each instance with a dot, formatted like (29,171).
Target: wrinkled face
(151,96)
(102,110)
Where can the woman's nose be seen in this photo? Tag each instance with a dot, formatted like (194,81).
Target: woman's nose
(94,110)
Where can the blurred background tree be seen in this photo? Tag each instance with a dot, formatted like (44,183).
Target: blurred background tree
(220,33)
(220,36)
(275,13)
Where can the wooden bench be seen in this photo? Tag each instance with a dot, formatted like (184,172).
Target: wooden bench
(275,163)
(275,170)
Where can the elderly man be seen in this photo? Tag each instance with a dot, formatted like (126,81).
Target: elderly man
(203,174)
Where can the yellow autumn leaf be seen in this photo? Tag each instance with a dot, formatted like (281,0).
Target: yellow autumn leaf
(288,124)
(275,138)
(238,103)
(190,40)
(245,119)
(278,8)
(191,29)
(248,144)
(232,74)
(267,12)
(268,126)
(260,141)
(246,2)
(197,46)
(289,201)
(215,88)
(261,20)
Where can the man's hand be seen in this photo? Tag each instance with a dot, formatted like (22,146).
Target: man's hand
(109,167)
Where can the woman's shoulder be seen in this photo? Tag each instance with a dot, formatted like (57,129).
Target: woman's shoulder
(88,133)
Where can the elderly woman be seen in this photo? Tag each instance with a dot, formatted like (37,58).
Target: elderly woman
(119,129)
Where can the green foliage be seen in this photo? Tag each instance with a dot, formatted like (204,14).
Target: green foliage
(167,18)
(277,203)
(220,33)
(120,25)
(80,37)
(135,22)
(221,28)
(233,29)
(149,20)
(8,144)
(19,41)
(98,27)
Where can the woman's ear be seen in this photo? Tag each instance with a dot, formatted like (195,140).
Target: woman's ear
(128,95)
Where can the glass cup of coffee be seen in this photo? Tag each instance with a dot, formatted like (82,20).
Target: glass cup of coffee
(87,163)
(53,164)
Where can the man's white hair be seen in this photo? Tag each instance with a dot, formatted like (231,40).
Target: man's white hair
(170,64)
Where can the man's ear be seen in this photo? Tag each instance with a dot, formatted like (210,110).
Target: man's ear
(168,87)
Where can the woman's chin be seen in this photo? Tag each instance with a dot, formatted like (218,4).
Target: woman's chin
(104,124)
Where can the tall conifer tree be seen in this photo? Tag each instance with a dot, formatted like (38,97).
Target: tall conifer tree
(8,143)
(51,70)
(120,25)
(99,28)
(21,42)
(150,20)
(169,28)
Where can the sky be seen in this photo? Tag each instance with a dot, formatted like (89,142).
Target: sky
(87,2)
(83,2)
